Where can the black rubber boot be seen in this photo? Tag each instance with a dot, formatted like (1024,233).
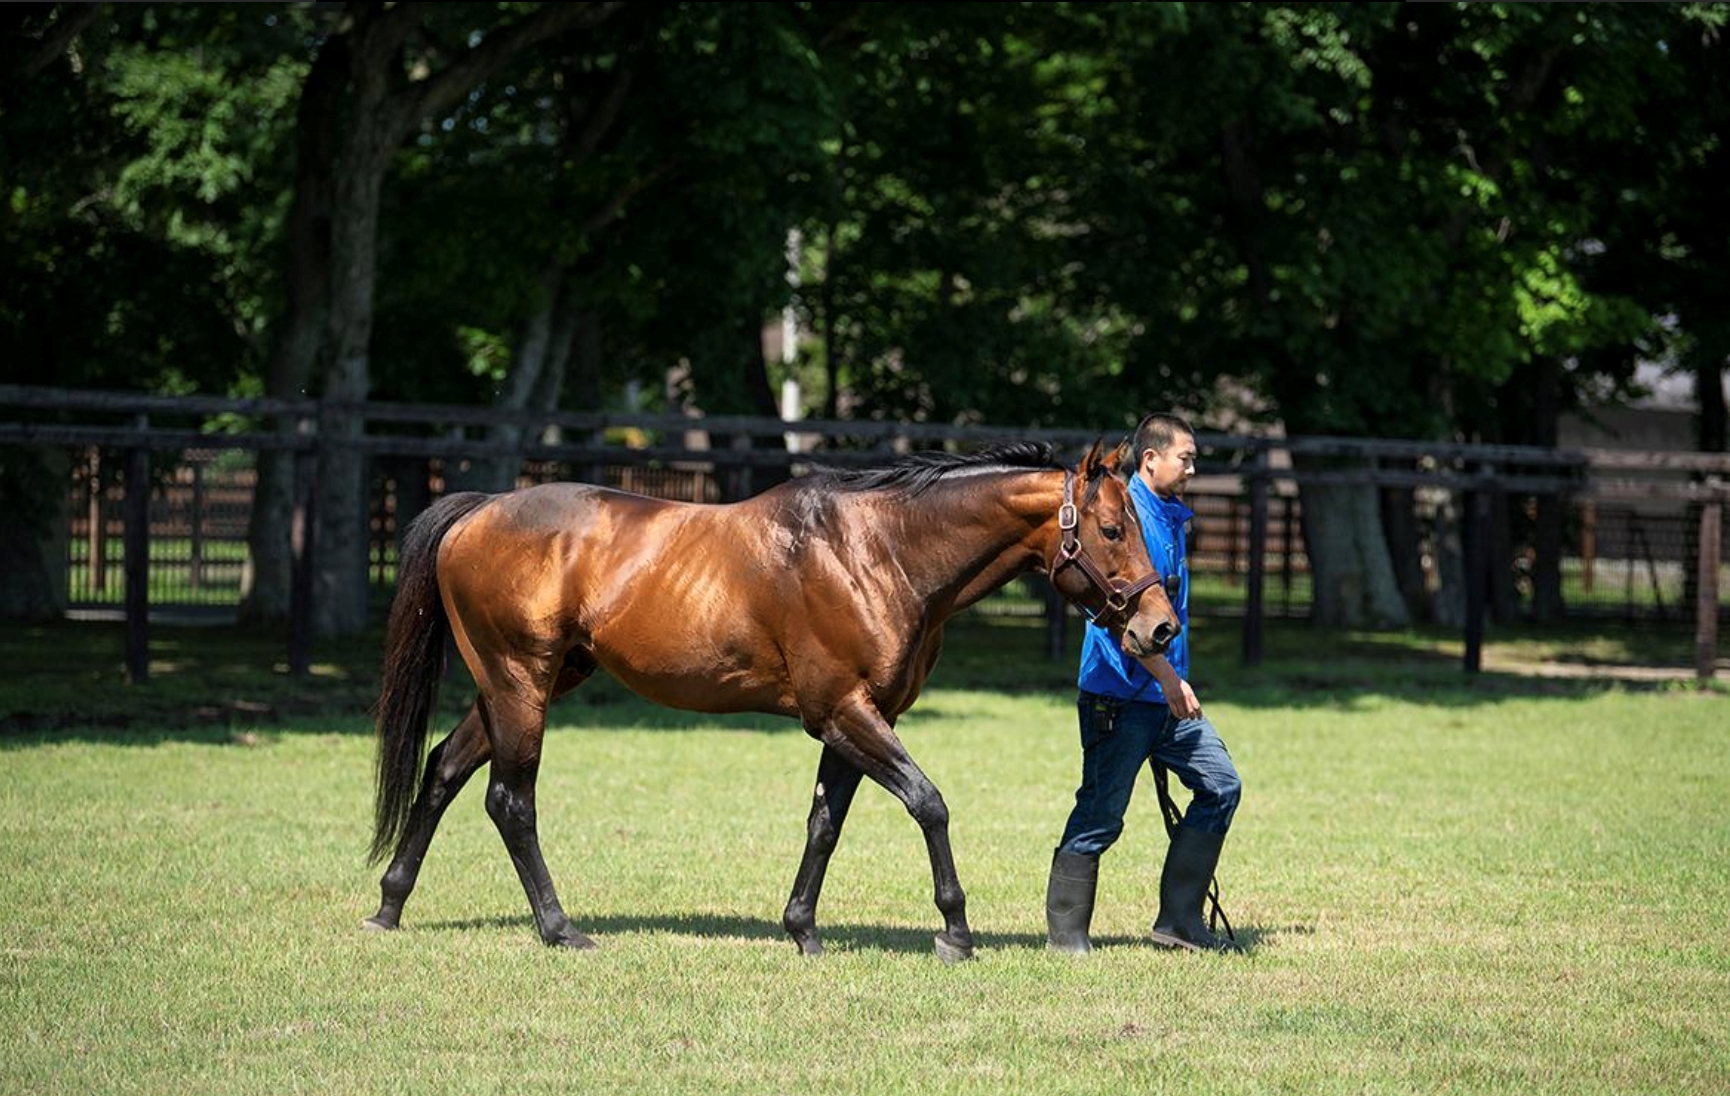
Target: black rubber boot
(1183,886)
(1069,901)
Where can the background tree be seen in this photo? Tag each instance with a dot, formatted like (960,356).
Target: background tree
(404,72)
(1438,221)
(134,154)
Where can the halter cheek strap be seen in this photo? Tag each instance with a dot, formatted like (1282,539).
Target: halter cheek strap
(1070,551)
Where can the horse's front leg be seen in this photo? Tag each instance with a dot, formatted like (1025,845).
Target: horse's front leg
(448,768)
(837,780)
(862,736)
(926,805)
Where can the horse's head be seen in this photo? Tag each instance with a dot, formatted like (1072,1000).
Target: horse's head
(1101,562)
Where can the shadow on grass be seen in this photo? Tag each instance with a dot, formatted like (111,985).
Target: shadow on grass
(841,936)
(66,680)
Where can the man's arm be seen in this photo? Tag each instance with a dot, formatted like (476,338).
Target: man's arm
(1178,695)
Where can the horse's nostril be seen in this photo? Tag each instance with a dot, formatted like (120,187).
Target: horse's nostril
(1164,633)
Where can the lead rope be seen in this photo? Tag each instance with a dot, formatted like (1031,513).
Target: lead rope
(1172,817)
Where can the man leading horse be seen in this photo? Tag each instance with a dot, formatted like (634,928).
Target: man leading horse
(1136,711)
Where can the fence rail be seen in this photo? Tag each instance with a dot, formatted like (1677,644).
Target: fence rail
(1637,519)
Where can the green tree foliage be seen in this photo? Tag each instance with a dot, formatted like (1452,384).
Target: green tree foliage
(137,171)
(947,285)
(1438,220)
(726,123)
(139,178)
(1014,212)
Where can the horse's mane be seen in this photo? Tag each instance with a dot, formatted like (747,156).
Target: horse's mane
(916,472)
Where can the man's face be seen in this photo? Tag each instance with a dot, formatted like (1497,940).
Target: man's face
(1169,471)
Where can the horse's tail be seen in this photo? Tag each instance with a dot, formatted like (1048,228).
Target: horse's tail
(414,650)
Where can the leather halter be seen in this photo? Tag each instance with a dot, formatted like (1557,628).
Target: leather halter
(1070,551)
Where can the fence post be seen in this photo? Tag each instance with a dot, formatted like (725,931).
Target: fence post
(195,561)
(1231,531)
(96,548)
(1706,605)
(301,532)
(595,471)
(1257,572)
(1287,568)
(740,477)
(1056,623)
(1477,566)
(136,536)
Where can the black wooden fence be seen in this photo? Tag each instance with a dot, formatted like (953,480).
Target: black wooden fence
(1640,523)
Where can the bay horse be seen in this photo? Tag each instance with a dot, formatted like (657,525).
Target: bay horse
(822,599)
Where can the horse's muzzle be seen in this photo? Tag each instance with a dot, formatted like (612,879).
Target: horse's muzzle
(1147,646)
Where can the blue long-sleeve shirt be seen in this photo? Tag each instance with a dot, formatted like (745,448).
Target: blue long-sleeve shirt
(1105,669)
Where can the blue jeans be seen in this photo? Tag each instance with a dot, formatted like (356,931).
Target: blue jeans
(1117,738)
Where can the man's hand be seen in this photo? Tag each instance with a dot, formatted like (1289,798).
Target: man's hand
(1188,707)
(1179,697)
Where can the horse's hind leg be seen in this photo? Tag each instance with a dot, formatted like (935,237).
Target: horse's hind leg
(837,780)
(448,768)
(516,729)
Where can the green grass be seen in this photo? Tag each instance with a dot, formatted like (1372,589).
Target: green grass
(1501,883)
(222,563)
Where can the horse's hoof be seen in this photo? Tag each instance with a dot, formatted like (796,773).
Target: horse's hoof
(951,952)
(812,948)
(571,938)
(374,924)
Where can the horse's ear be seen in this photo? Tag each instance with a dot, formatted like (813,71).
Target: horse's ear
(1120,456)
(1101,462)
(1094,463)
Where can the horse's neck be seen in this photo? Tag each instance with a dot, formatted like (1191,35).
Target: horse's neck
(984,536)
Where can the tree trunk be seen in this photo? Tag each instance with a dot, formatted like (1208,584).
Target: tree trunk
(412,477)
(542,347)
(340,547)
(34,493)
(745,390)
(582,378)
(1351,571)
(1447,537)
(297,337)
(1405,546)
(1709,390)
(826,332)
(1710,355)
(1551,510)
(379,120)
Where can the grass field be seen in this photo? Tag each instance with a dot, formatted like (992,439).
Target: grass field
(1509,883)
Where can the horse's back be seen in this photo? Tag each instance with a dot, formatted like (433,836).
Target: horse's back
(556,507)
(677,599)
(517,551)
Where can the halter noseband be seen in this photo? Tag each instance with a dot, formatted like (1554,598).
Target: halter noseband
(1069,550)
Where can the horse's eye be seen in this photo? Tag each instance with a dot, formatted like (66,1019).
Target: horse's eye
(1111,532)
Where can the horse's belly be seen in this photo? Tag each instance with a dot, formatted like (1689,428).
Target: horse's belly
(718,678)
